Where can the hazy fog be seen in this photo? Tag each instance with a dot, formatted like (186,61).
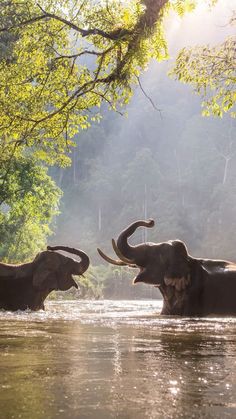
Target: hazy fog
(173,165)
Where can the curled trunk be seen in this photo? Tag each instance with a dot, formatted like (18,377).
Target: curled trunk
(128,251)
(79,267)
(110,260)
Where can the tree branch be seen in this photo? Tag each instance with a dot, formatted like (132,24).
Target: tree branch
(114,35)
(148,97)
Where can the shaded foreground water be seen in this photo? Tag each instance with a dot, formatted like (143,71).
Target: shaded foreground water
(115,359)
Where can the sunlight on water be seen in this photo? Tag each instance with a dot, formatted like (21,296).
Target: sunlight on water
(116,359)
(91,311)
(109,312)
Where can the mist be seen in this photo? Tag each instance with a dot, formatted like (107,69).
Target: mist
(162,160)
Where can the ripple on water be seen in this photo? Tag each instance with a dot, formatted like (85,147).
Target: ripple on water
(116,359)
(125,312)
(88,311)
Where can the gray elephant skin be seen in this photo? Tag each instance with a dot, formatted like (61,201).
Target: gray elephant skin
(190,286)
(26,286)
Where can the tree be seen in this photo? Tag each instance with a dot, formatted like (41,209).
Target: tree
(8,13)
(29,200)
(212,73)
(70,56)
(28,196)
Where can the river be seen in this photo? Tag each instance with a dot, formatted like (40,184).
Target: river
(116,359)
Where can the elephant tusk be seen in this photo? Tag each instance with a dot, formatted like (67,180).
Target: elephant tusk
(74,284)
(110,260)
(120,255)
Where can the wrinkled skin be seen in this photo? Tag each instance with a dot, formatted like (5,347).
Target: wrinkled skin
(26,286)
(189,286)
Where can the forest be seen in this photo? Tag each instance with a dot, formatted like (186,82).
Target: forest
(79,177)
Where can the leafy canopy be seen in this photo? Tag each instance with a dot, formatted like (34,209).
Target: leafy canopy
(68,57)
(212,73)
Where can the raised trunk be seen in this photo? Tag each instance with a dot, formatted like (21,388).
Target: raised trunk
(131,252)
(79,267)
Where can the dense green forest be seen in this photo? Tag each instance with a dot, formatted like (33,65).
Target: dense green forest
(157,157)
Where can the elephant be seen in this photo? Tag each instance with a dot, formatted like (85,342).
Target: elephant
(189,286)
(26,286)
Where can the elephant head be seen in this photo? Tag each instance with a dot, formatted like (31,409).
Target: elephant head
(52,270)
(27,285)
(160,264)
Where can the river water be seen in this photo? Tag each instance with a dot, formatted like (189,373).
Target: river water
(115,359)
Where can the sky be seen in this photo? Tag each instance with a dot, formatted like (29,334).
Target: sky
(203,25)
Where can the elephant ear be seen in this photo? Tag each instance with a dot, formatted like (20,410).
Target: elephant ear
(215,266)
(177,272)
(45,279)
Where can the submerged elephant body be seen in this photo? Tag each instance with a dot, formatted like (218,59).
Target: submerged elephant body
(189,286)
(209,290)
(26,286)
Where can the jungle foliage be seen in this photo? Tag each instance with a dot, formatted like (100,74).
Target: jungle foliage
(67,58)
(29,201)
(211,71)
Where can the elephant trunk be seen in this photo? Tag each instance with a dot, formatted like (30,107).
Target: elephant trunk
(132,252)
(79,267)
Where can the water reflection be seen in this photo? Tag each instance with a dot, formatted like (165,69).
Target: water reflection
(116,360)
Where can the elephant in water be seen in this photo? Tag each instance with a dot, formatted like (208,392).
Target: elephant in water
(189,286)
(26,286)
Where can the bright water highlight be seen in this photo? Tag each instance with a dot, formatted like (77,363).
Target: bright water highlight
(116,359)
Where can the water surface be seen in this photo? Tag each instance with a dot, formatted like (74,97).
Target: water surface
(116,359)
